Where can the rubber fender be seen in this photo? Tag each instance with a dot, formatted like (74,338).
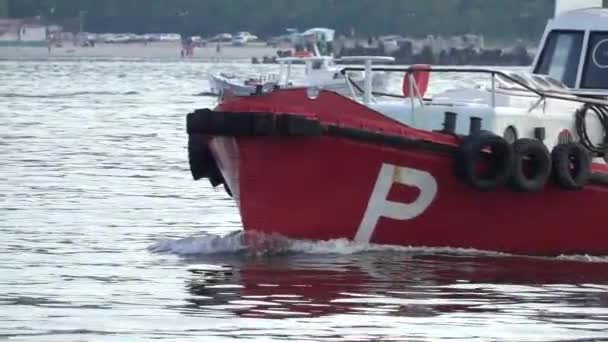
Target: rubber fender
(243,124)
(531,165)
(209,122)
(263,124)
(197,122)
(230,124)
(494,153)
(571,166)
(201,160)
(215,176)
(227,189)
(199,156)
(298,126)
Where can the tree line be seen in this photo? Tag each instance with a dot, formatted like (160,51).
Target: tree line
(501,19)
(3,9)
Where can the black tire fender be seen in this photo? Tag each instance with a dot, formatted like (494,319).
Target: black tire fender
(531,165)
(571,166)
(199,156)
(499,161)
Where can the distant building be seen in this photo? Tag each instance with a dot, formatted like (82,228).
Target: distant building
(25,32)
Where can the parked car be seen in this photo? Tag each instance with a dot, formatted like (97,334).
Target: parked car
(170,37)
(198,41)
(242,38)
(222,37)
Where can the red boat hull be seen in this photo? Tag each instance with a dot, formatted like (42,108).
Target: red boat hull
(328,187)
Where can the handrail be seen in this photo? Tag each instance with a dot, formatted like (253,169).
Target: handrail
(543,94)
(304,59)
(354,86)
(386,59)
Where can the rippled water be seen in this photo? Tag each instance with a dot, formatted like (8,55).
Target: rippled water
(104,236)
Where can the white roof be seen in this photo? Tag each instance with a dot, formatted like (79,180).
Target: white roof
(563,6)
(582,19)
(328,33)
(586,20)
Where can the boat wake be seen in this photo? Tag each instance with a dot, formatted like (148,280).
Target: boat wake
(67,94)
(256,244)
(583,258)
(207,94)
(261,244)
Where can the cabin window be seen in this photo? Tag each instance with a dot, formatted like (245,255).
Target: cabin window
(560,56)
(595,74)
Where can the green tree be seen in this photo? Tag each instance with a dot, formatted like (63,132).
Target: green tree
(493,18)
(4,9)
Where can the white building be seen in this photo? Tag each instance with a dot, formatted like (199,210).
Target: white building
(22,32)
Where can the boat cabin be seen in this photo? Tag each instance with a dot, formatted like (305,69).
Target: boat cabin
(314,67)
(562,99)
(574,50)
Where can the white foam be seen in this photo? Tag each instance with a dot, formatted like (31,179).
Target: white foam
(260,244)
(207,244)
(583,258)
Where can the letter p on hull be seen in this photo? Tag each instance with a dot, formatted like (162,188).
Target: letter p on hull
(379,206)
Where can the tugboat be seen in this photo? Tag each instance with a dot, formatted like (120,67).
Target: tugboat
(518,166)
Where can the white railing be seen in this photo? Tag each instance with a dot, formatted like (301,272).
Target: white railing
(543,94)
(368,60)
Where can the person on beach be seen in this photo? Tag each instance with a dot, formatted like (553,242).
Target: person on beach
(49,39)
(182,52)
(189,47)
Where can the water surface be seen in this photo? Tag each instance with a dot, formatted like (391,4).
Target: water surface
(105,237)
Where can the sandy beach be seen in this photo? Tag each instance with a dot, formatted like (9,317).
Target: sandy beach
(160,50)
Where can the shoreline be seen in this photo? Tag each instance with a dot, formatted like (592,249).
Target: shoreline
(253,53)
(137,51)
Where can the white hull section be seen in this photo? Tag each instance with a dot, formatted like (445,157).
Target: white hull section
(222,84)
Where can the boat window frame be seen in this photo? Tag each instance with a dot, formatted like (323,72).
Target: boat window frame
(543,54)
(588,55)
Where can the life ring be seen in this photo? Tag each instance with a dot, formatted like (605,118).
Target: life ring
(490,152)
(531,165)
(571,166)
(421,75)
